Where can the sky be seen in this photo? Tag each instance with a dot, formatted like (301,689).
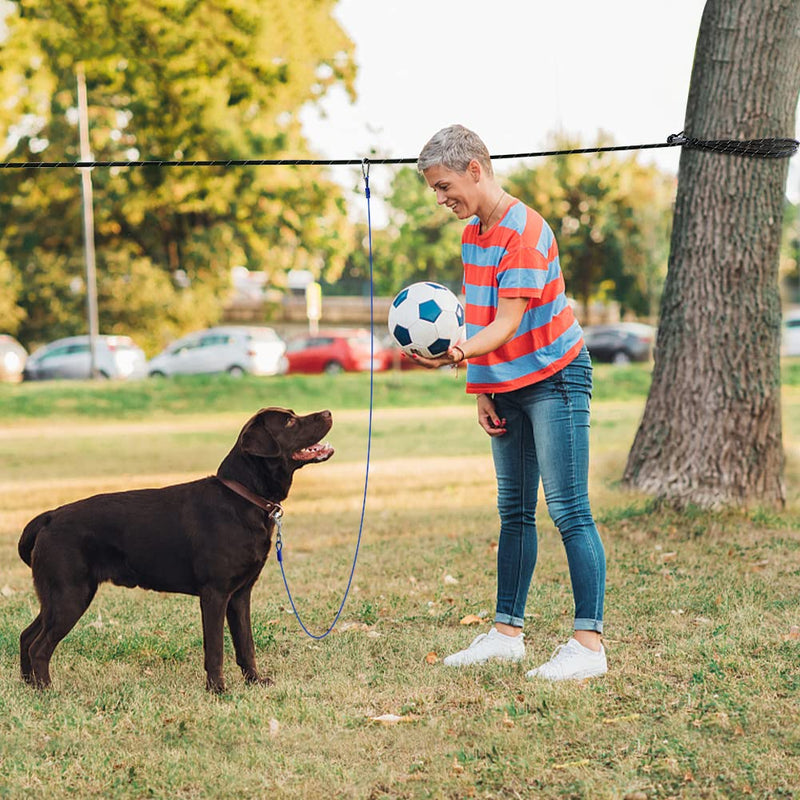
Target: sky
(515,71)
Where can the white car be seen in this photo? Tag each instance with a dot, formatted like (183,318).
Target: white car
(233,349)
(115,357)
(790,337)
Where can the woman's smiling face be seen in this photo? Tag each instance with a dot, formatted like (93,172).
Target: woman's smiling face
(456,190)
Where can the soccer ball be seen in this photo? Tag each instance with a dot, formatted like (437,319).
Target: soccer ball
(425,319)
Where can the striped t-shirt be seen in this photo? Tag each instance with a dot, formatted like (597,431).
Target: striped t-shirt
(517,257)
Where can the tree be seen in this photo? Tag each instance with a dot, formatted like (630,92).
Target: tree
(180,79)
(425,239)
(11,312)
(711,430)
(610,214)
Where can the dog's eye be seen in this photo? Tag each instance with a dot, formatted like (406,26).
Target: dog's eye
(291,421)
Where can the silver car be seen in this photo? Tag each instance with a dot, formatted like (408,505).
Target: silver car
(790,340)
(115,357)
(235,349)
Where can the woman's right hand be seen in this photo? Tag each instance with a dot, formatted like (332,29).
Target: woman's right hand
(487,416)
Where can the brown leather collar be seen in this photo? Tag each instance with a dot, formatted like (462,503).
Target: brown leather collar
(273,509)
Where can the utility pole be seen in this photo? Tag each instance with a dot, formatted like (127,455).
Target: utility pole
(88,221)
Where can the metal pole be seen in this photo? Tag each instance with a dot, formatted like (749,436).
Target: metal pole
(88,222)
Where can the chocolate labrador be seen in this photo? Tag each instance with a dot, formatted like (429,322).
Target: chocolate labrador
(209,538)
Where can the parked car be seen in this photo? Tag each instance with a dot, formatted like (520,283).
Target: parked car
(235,349)
(115,357)
(790,337)
(334,351)
(621,342)
(12,358)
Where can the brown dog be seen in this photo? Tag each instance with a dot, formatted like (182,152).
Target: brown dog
(208,538)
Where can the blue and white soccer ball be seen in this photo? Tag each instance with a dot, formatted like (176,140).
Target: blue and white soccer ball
(425,319)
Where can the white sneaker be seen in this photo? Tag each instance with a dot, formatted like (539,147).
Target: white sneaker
(488,646)
(572,661)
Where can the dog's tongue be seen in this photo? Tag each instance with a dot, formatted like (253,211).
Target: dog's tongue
(316,452)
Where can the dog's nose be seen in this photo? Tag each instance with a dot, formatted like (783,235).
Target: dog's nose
(327,414)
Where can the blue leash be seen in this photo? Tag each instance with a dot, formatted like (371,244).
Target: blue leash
(277,517)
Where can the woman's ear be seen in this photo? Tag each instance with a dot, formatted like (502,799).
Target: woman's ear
(475,170)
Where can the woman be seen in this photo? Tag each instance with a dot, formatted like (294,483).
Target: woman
(532,375)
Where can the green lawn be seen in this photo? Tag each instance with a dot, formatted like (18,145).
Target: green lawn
(703,610)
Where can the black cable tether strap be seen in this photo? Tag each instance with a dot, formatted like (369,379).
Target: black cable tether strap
(754,148)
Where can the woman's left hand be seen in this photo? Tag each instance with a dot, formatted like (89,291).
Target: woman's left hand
(453,356)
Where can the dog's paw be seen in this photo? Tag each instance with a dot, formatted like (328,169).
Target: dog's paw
(216,686)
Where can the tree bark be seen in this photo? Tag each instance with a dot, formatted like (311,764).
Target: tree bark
(711,431)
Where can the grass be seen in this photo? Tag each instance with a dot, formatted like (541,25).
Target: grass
(702,611)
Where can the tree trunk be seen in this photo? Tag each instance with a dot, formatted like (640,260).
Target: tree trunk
(711,430)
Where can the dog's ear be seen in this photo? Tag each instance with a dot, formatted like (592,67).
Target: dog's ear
(257,440)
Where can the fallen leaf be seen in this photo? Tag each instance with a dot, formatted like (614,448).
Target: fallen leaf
(7,591)
(432,658)
(671,556)
(793,635)
(274,727)
(354,626)
(450,580)
(472,619)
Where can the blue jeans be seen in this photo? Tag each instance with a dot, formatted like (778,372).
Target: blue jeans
(547,437)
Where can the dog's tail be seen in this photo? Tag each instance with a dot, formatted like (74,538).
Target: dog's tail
(28,538)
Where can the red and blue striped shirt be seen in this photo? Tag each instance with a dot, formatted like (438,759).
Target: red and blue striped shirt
(517,257)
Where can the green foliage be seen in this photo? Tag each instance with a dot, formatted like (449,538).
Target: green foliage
(422,241)
(611,217)
(789,269)
(175,80)
(426,244)
(11,313)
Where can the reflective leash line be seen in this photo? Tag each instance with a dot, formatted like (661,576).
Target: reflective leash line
(277,517)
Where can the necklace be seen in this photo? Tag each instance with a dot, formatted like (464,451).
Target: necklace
(491,213)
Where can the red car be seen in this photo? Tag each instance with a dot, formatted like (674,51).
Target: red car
(335,351)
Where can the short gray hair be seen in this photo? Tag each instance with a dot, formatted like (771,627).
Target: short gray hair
(454,147)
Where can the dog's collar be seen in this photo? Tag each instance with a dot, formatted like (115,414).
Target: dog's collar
(275,510)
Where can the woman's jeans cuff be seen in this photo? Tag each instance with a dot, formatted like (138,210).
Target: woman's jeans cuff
(507,619)
(589,625)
